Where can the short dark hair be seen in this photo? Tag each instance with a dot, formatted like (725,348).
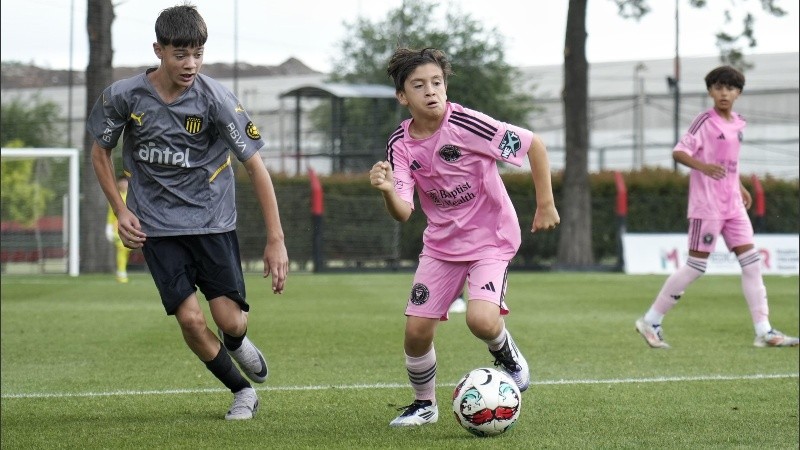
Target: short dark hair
(726,76)
(405,60)
(181,26)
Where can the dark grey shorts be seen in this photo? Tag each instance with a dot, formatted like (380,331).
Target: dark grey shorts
(182,264)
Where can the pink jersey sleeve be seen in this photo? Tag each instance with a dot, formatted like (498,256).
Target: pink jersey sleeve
(398,158)
(502,141)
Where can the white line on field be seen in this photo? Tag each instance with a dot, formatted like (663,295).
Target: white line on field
(398,385)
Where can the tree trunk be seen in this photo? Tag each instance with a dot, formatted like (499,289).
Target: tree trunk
(575,243)
(94,249)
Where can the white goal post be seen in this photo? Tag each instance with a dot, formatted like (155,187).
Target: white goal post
(72,213)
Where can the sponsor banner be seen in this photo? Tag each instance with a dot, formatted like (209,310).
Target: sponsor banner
(654,253)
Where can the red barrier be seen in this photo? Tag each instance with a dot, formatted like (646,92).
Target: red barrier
(622,195)
(317,207)
(758,199)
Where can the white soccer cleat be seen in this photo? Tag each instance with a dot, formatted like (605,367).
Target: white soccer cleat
(651,333)
(774,338)
(250,359)
(245,405)
(420,412)
(510,359)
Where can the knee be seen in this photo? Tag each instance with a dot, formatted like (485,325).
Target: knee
(484,327)
(192,323)
(418,340)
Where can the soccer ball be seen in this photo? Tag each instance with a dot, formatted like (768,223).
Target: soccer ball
(486,402)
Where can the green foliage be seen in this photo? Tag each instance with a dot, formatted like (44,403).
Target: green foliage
(24,199)
(482,79)
(31,123)
(112,371)
(27,124)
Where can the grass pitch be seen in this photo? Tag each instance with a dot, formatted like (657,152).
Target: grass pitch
(89,363)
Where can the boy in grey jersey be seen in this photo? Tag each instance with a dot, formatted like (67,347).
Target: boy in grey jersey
(179,129)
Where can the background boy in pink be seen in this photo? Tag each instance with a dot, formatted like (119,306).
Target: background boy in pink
(448,154)
(718,204)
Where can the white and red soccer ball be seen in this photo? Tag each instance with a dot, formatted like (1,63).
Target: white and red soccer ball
(486,402)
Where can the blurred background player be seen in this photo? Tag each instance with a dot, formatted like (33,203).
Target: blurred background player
(459,305)
(718,204)
(449,155)
(112,234)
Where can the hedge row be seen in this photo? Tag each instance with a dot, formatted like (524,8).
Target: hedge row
(358,230)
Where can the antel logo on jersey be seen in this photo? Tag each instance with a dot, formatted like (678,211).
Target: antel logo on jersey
(450,153)
(510,144)
(167,156)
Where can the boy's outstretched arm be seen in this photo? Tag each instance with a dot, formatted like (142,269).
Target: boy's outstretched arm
(546,216)
(382,178)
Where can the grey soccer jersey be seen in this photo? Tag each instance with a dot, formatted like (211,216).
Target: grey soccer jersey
(177,155)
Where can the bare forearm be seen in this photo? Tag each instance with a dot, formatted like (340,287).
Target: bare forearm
(540,171)
(398,208)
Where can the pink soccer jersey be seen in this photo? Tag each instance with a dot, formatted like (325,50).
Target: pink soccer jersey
(455,173)
(714,140)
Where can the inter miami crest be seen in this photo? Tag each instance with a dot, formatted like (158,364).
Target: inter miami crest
(708,238)
(419,294)
(450,153)
(193,124)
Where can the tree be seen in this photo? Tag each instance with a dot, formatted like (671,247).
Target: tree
(728,44)
(482,79)
(31,123)
(575,241)
(95,256)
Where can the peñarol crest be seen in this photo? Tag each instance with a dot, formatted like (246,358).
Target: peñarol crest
(193,124)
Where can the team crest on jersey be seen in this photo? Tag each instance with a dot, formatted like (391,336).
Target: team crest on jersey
(510,144)
(193,124)
(419,294)
(252,131)
(450,153)
(708,238)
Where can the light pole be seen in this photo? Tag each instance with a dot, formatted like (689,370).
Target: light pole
(674,83)
(236,48)
(638,116)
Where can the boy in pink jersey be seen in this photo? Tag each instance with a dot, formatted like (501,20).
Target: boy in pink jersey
(718,204)
(449,155)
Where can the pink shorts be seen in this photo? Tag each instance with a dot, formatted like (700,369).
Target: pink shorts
(437,283)
(703,233)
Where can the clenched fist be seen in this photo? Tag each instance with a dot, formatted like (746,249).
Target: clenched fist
(381,176)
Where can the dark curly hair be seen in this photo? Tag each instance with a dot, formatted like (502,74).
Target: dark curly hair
(405,60)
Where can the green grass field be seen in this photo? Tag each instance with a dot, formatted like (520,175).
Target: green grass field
(88,363)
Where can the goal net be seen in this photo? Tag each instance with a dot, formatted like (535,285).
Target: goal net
(39,211)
